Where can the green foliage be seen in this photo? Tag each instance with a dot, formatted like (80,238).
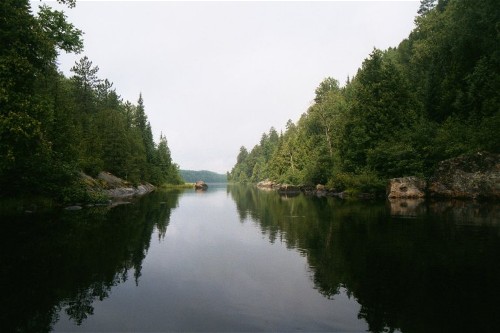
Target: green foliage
(191,176)
(435,96)
(394,159)
(79,193)
(256,165)
(51,127)
(27,57)
(366,182)
(65,36)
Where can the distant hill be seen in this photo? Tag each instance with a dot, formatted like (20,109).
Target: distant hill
(191,176)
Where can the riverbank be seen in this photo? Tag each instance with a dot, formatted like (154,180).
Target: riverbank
(470,176)
(114,187)
(176,186)
(107,190)
(319,190)
(103,190)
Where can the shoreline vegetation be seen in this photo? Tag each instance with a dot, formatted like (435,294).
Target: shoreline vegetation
(192,176)
(473,176)
(54,128)
(433,98)
(176,186)
(105,190)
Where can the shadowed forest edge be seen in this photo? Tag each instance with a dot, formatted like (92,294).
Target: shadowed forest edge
(434,97)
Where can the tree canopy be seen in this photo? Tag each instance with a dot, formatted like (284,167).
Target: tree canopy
(435,96)
(52,127)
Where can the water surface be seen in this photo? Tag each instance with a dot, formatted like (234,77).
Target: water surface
(239,259)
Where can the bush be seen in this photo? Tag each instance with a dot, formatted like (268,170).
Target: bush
(79,193)
(365,182)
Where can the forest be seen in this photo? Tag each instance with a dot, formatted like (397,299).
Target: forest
(192,176)
(434,96)
(53,127)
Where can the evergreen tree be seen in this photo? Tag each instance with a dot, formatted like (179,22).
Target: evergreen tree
(52,127)
(29,49)
(433,97)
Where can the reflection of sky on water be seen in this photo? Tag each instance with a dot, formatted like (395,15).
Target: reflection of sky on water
(213,273)
(239,259)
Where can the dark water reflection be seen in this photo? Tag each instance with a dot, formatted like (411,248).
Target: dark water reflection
(413,266)
(239,259)
(71,259)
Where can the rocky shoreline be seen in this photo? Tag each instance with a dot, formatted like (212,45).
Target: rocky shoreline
(117,188)
(318,190)
(114,190)
(473,176)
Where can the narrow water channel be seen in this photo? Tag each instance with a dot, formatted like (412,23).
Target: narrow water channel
(235,258)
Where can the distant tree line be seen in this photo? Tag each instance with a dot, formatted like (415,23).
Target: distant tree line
(52,127)
(192,176)
(435,96)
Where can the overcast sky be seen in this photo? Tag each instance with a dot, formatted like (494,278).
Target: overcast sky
(216,75)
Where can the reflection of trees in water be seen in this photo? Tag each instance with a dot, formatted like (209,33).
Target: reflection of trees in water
(68,261)
(429,273)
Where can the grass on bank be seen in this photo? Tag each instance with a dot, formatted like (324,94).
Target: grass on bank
(176,186)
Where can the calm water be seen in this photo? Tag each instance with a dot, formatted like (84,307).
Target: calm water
(239,259)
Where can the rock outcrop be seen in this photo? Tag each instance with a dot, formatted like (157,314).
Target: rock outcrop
(200,185)
(266,184)
(406,188)
(124,192)
(292,190)
(474,176)
(114,187)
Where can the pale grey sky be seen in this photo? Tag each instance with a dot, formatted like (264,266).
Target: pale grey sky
(216,75)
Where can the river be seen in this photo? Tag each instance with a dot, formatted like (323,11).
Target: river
(235,258)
